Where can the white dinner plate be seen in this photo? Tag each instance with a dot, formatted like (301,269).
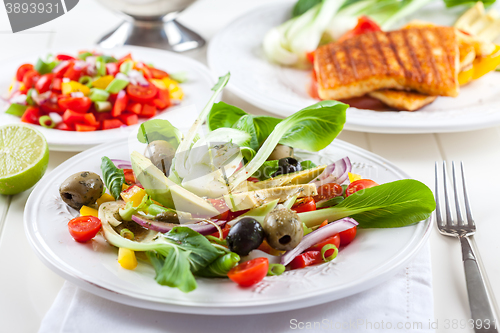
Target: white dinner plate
(282,90)
(197,91)
(374,255)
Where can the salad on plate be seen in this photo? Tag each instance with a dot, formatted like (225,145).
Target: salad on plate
(241,201)
(91,91)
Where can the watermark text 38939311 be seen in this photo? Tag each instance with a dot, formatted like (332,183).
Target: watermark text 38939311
(26,14)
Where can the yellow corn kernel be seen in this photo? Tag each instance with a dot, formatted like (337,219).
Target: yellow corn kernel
(88,211)
(126,258)
(104,198)
(159,83)
(134,195)
(484,65)
(353,177)
(103,82)
(466,76)
(73,86)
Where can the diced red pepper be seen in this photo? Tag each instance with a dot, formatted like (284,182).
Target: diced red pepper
(129,176)
(305,259)
(162,100)
(61,69)
(62,57)
(129,118)
(78,104)
(31,115)
(89,119)
(365,25)
(101,116)
(120,103)
(134,107)
(57,84)
(85,128)
(122,60)
(148,111)
(111,123)
(73,73)
(72,117)
(64,127)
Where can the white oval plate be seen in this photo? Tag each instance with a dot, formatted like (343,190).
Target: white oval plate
(197,91)
(374,255)
(281,90)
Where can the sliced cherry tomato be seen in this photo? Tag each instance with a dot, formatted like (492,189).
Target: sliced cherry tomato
(142,94)
(162,100)
(221,206)
(85,128)
(146,72)
(23,69)
(305,259)
(71,117)
(347,236)
(158,73)
(61,69)
(112,68)
(120,103)
(328,191)
(62,57)
(148,111)
(225,231)
(44,82)
(31,115)
(358,185)
(250,272)
(84,228)
(30,78)
(303,205)
(111,123)
(51,105)
(129,176)
(77,104)
(365,25)
(57,84)
(129,119)
(134,107)
(73,73)
(334,240)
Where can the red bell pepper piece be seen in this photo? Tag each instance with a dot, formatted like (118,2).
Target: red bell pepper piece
(72,117)
(73,73)
(148,111)
(78,104)
(89,119)
(134,107)
(305,259)
(129,119)
(57,84)
(85,128)
(61,69)
(31,115)
(120,103)
(162,100)
(111,123)
(62,57)
(44,82)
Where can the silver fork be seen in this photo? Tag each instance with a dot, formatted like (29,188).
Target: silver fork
(481,300)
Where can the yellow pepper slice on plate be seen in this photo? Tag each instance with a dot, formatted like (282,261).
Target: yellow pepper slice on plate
(103,81)
(104,198)
(88,211)
(73,86)
(353,177)
(126,258)
(486,64)
(134,195)
(466,76)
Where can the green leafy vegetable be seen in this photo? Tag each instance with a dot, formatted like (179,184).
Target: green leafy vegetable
(29,98)
(266,170)
(159,129)
(114,178)
(453,3)
(391,205)
(45,67)
(129,209)
(303,6)
(259,127)
(307,165)
(16,109)
(221,266)
(84,55)
(172,269)
(330,202)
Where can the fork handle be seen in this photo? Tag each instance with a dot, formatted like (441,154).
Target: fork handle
(480,298)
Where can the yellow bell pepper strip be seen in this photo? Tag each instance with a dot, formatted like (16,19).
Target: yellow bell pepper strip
(353,177)
(124,187)
(88,211)
(135,194)
(126,258)
(103,82)
(73,86)
(175,91)
(466,76)
(104,198)
(484,65)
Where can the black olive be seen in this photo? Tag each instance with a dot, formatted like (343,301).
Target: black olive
(246,235)
(287,165)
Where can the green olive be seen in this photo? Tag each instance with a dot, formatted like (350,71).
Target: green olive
(280,151)
(283,229)
(81,189)
(161,153)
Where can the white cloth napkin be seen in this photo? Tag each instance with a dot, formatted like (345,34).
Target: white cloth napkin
(403,303)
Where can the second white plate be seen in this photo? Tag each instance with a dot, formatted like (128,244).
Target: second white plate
(282,90)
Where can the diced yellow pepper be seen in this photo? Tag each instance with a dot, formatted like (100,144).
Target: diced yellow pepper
(175,91)
(484,65)
(159,83)
(134,195)
(124,187)
(104,198)
(103,82)
(73,86)
(466,76)
(353,177)
(88,211)
(126,258)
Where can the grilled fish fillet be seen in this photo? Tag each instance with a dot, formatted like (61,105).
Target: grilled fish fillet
(402,100)
(422,59)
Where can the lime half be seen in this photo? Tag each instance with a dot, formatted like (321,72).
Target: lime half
(24,156)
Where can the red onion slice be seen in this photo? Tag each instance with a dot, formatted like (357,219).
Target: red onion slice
(163,227)
(122,164)
(317,236)
(337,172)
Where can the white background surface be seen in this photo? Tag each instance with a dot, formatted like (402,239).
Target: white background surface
(28,288)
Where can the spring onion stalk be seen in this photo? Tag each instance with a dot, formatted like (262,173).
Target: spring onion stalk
(16,109)
(102,106)
(100,66)
(86,81)
(46,122)
(306,229)
(29,99)
(116,85)
(329,247)
(180,77)
(125,233)
(216,240)
(126,67)
(155,209)
(84,55)
(275,269)
(98,95)
(221,266)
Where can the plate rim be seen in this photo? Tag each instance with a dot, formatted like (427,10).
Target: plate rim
(69,273)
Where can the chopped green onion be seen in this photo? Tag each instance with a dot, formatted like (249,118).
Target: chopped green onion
(275,269)
(125,233)
(180,77)
(16,109)
(331,202)
(46,122)
(155,209)
(100,66)
(98,95)
(84,55)
(108,59)
(126,67)
(221,266)
(43,67)
(29,99)
(329,247)
(86,81)
(102,106)
(216,240)
(116,85)
(306,229)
